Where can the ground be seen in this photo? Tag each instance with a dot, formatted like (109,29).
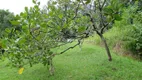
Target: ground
(88,63)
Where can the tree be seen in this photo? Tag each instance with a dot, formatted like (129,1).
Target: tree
(5,18)
(44,30)
(105,15)
(94,16)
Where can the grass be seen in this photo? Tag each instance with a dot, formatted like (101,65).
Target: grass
(90,63)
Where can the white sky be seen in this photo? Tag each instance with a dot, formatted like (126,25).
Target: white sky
(17,6)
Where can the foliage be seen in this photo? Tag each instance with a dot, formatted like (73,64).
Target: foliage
(5,18)
(34,42)
(133,35)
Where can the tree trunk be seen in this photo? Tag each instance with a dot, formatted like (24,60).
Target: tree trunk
(51,67)
(106,46)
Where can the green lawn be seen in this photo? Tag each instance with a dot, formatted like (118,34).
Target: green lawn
(90,63)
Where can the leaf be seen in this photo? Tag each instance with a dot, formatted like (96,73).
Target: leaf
(88,1)
(3,43)
(43,24)
(117,17)
(20,70)
(108,10)
(26,9)
(54,2)
(7,30)
(14,23)
(109,18)
(24,15)
(60,16)
(36,7)
(25,29)
(58,28)
(38,3)
(21,40)
(17,17)
(34,1)
(81,29)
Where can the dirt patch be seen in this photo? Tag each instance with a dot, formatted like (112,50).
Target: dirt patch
(118,48)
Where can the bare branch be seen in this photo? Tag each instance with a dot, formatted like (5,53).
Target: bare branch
(76,12)
(103,4)
(105,25)
(92,21)
(83,3)
(101,16)
(64,44)
(100,8)
(52,55)
(70,47)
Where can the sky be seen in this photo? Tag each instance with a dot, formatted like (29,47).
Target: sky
(17,6)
